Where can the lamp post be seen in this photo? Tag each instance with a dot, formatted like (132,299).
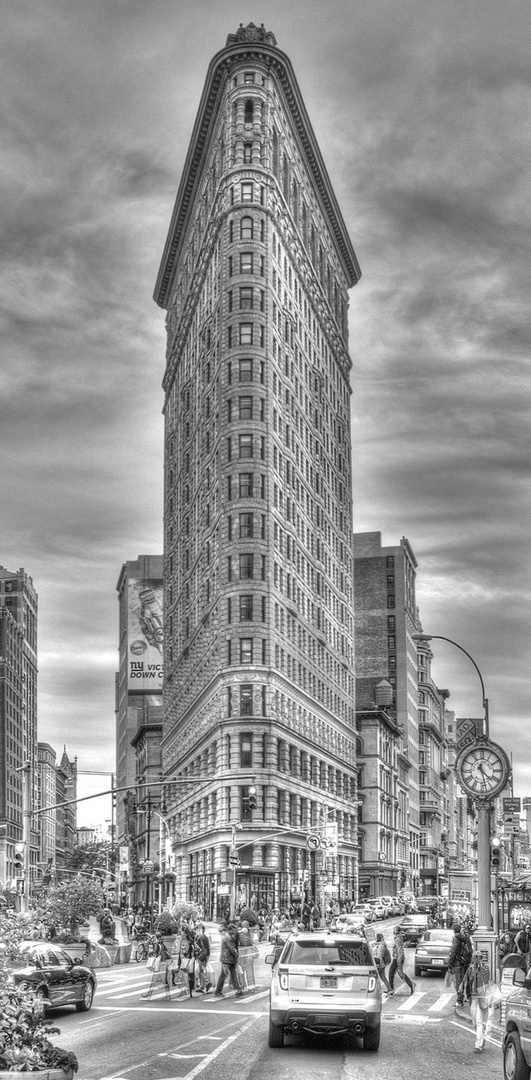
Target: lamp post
(479,791)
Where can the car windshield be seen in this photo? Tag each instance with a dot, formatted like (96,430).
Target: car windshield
(322,954)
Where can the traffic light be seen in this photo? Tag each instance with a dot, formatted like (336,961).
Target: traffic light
(19,860)
(495,844)
(252,798)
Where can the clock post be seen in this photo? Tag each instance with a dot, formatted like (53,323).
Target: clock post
(484,769)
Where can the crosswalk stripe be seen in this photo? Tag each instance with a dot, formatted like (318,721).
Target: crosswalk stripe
(441,1003)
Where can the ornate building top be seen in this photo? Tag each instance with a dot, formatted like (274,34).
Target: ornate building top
(251,33)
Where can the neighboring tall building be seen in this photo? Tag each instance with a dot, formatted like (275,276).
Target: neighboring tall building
(139,712)
(18,714)
(385,619)
(259,687)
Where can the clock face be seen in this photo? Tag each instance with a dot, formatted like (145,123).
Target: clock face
(484,769)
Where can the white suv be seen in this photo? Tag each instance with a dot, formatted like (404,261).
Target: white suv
(325,983)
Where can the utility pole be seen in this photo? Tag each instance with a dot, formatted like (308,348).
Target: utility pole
(26,833)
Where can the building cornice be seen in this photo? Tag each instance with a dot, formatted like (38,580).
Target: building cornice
(219,69)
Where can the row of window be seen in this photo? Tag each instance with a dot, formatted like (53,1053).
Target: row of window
(246,262)
(245,524)
(249,229)
(248,297)
(247,650)
(246,566)
(246,485)
(246,446)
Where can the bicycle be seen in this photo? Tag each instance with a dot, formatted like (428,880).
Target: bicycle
(145,948)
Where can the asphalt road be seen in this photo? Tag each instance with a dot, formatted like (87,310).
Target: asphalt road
(125,1037)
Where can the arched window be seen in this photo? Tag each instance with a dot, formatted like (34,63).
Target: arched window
(246,228)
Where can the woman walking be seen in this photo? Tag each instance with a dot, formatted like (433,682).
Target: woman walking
(481,992)
(383,958)
(397,963)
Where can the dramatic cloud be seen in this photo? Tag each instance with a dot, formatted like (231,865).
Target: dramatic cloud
(421,111)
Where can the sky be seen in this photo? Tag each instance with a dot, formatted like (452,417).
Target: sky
(421,110)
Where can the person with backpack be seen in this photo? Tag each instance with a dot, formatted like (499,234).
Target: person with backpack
(459,962)
(382,957)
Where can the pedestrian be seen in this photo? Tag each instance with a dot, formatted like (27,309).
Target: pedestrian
(459,960)
(202,957)
(160,967)
(186,955)
(506,945)
(229,961)
(523,944)
(382,958)
(478,988)
(397,963)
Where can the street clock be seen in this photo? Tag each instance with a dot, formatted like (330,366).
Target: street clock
(483,769)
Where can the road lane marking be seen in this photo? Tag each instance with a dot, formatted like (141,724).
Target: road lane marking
(219,1050)
(441,1003)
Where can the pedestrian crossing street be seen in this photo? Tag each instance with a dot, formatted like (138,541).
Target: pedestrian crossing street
(126,986)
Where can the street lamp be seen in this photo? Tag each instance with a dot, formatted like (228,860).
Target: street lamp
(439,637)
(477,765)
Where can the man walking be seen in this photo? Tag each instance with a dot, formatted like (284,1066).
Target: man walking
(229,960)
(459,961)
(397,963)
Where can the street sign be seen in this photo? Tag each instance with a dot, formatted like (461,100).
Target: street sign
(148,866)
(512,806)
(313,842)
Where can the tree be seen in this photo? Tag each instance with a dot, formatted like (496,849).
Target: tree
(70,904)
(99,855)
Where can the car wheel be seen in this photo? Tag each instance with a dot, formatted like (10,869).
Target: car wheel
(371,1039)
(276,1034)
(515,1066)
(88,995)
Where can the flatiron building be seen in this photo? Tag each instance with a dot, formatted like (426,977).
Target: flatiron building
(258,575)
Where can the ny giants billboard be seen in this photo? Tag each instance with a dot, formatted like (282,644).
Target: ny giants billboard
(144,634)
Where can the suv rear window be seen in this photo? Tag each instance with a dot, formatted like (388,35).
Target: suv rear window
(321,954)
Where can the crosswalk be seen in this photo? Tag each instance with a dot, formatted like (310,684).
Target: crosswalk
(126,986)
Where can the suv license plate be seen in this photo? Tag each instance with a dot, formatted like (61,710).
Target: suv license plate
(438,962)
(328,982)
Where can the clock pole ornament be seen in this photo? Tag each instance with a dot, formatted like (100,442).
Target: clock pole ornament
(483,769)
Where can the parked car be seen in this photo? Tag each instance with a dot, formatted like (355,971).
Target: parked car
(433,950)
(412,927)
(394,905)
(325,983)
(364,911)
(516,1047)
(347,923)
(379,908)
(426,904)
(54,976)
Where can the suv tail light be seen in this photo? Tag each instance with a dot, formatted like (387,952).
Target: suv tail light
(372,984)
(283,979)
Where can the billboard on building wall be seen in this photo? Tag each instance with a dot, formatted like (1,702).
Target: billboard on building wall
(144,636)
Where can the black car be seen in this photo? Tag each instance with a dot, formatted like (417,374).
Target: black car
(54,976)
(412,927)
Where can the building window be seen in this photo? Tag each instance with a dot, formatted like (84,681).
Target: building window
(246,566)
(246,297)
(246,228)
(246,608)
(248,77)
(246,526)
(247,153)
(245,370)
(246,650)
(245,443)
(246,699)
(246,262)
(390,601)
(390,622)
(246,485)
(247,193)
(246,749)
(246,333)
(245,811)
(391,642)
(245,408)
